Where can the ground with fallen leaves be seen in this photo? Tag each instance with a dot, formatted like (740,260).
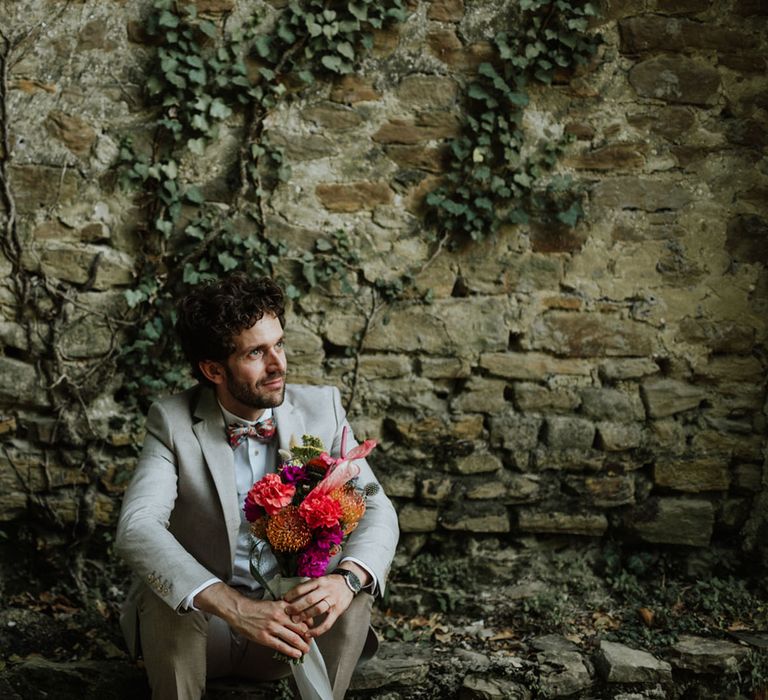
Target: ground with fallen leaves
(492,598)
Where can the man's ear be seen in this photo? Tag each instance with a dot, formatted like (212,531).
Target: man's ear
(213,371)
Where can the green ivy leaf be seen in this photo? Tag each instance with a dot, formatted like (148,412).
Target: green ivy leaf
(168,19)
(332,63)
(227,261)
(196,146)
(219,110)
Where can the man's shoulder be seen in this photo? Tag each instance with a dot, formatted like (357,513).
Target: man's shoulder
(303,393)
(182,401)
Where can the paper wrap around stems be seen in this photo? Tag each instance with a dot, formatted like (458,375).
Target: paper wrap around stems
(311,675)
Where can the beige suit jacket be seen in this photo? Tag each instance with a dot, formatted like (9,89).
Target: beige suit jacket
(180,516)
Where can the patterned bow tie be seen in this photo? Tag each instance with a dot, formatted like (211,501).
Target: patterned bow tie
(263,431)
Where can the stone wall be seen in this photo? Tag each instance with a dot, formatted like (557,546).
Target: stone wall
(609,379)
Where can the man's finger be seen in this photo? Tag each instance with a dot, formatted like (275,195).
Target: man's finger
(324,626)
(301,590)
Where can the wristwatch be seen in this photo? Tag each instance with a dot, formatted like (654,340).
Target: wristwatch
(353,582)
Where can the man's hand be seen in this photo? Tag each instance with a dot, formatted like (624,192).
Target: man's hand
(328,595)
(266,622)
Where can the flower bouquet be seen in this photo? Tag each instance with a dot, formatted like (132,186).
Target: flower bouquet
(305,511)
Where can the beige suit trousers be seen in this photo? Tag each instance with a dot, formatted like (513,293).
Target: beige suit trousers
(181,651)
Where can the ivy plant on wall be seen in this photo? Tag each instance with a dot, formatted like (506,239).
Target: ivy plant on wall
(206,75)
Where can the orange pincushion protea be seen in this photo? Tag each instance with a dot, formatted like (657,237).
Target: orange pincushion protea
(259,528)
(352,506)
(287,531)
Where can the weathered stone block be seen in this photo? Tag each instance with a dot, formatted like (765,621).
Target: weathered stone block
(446,10)
(384,366)
(21,384)
(617,437)
(618,663)
(437,489)
(481,687)
(693,475)
(342,329)
(668,520)
(84,338)
(713,442)
(720,337)
(641,193)
(565,432)
(74,132)
(476,463)
(491,517)
(433,160)
(331,115)
(612,404)
(748,477)
(729,368)
(482,396)
(705,655)
(652,33)
(667,436)
(665,397)
(535,398)
(568,459)
(103,267)
(460,326)
(515,431)
(436,429)
(428,126)
(511,488)
(444,367)
(298,147)
(39,186)
(747,239)
(413,518)
(395,664)
(354,196)
(590,335)
(604,491)
(427,91)
(352,89)
(397,484)
(532,365)
(562,673)
(682,7)
(676,79)
(546,522)
(620,157)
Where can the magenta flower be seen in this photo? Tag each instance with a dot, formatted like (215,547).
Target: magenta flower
(294,474)
(312,563)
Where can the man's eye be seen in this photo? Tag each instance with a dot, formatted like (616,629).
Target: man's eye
(256,352)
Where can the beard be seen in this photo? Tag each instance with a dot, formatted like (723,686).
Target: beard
(255,395)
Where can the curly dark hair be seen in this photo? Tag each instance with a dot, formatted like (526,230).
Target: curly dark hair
(212,314)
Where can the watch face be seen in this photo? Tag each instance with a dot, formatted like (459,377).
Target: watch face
(354,582)
(351,579)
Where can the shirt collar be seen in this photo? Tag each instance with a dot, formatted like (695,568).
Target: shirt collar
(230,417)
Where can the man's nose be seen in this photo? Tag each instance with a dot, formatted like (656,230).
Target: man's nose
(276,360)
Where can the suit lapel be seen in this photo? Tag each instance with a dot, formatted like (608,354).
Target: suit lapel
(210,432)
(290,423)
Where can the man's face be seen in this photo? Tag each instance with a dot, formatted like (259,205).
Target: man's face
(254,374)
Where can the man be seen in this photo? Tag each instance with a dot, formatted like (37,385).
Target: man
(195,610)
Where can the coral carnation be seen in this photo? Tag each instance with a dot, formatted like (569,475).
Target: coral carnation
(320,510)
(270,493)
(287,532)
